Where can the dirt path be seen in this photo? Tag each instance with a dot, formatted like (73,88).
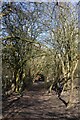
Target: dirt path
(38,104)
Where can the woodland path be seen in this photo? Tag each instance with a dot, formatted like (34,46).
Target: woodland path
(37,104)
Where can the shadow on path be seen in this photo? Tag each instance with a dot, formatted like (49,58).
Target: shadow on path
(37,104)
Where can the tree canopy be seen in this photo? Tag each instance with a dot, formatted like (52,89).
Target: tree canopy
(39,38)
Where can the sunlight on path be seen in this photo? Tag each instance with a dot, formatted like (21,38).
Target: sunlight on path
(37,103)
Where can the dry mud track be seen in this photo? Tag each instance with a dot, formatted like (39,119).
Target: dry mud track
(37,104)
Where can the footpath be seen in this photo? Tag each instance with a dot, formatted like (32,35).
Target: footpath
(37,104)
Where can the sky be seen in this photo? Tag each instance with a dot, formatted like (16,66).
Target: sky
(41,0)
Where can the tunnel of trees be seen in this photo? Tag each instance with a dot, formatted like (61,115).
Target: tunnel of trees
(40,40)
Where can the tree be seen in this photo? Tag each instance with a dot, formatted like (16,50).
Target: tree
(17,41)
(20,31)
(65,43)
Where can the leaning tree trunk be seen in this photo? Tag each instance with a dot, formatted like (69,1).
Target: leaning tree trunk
(14,80)
(63,71)
(71,99)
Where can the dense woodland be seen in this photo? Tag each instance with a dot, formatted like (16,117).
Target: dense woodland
(40,43)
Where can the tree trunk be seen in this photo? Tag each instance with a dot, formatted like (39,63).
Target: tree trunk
(64,71)
(14,81)
(71,102)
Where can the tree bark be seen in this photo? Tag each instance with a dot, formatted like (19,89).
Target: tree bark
(72,86)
